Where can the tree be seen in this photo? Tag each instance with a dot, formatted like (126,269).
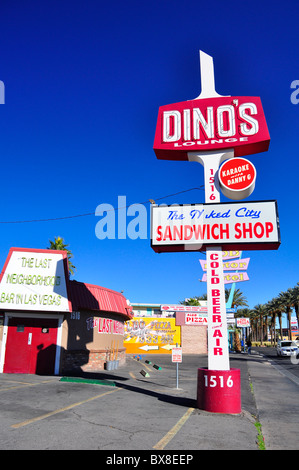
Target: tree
(295,294)
(270,307)
(286,301)
(260,311)
(279,310)
(254,317)
(59,244)
(195,301)
(275,309)
(239,299)
(243,312)
(237,342)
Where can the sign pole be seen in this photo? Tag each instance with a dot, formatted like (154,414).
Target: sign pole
(216,128)
(176,356)
(218,353)
(218,387)
(211,162)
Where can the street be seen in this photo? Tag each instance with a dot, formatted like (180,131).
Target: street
(289,366)
(128,411)
(139,407)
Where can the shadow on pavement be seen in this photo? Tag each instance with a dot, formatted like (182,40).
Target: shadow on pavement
(176,400)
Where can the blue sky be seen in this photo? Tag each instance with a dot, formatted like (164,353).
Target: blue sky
(83,83)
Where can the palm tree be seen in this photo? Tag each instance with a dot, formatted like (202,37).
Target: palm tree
(247,332)
(254,317)
(286,300)
(239,300)
(243,312)
(276,309)
(195,301)
(59,244)
(270,306)
(237,342)
(270,315)
(260,311)
(295,295)
(279,311)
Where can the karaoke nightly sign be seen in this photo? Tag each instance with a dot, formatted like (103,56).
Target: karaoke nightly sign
(247,226)
(237,178)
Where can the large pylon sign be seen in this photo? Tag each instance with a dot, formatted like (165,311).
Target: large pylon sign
(210,130)
(211,122)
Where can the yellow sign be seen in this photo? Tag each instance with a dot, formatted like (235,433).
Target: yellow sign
(151,335)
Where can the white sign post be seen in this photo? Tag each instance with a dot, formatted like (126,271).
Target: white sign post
(176,356)
(218,353)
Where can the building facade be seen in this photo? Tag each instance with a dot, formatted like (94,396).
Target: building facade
(51,325)
(157,328)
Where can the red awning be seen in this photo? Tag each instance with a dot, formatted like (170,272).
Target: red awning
(91,297)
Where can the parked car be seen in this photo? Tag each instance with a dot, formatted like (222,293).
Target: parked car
(287,348)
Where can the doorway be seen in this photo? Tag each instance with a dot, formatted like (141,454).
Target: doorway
(31,346)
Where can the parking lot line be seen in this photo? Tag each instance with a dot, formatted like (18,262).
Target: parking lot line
(173,431)
(17,382)
(60,410)
(12,387)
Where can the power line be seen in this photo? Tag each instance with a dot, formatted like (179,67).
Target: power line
(92,213)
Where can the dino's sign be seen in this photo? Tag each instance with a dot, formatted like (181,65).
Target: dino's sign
(211,124)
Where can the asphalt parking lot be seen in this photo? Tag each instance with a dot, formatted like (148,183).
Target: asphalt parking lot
(121,410)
